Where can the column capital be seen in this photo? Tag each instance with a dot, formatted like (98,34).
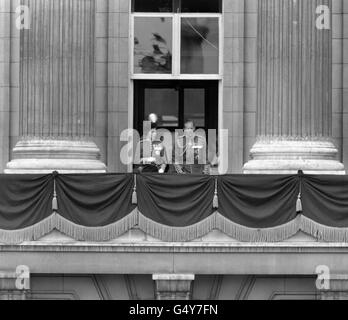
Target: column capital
(173,286)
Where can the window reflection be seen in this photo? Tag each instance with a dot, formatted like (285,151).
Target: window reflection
(194,106)
(199,45)
(152,45)
(193,6)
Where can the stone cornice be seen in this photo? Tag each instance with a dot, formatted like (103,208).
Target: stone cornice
(196,247)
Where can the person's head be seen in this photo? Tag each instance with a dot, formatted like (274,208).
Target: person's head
(189,126)
(153,118)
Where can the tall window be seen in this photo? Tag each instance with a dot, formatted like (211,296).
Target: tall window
(176,39)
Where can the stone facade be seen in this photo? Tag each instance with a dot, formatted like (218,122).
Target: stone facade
(42,129)
(110,92)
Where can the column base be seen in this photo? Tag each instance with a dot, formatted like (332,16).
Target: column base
(41,156)
(287,156)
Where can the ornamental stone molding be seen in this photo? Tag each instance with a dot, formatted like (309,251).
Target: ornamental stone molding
(173,286)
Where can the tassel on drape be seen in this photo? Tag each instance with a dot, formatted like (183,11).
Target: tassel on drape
(299,204)
(54,200)
(299,197)
(134,195)
(216,198)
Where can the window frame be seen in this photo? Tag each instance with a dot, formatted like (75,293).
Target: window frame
(176,47)
(176,7)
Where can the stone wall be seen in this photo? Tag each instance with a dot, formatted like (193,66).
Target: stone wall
(113,94)
(134,287)
(239,83)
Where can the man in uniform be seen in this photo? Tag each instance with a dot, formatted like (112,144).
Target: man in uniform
(190,151)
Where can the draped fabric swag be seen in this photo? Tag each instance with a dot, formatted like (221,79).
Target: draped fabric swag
(173,208)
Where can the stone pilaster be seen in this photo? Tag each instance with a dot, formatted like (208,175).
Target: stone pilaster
(57,85)
(13,288)
(294,104)
(173,286)
(338,288)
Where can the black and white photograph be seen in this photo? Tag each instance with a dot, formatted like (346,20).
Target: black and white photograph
(154,151)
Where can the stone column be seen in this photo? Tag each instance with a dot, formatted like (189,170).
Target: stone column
(173,286)
(5,80)
(294,108)
(57,82)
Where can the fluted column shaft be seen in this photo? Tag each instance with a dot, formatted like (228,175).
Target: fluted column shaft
(294,109)
(57,69)
(294,70)
(57,107)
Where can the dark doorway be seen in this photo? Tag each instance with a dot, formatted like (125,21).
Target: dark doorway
(176,101)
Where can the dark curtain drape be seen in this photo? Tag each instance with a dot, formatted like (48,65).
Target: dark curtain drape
(94,200)
(325,200)
(176,201)
(258,201)
(254,201)
(24,200)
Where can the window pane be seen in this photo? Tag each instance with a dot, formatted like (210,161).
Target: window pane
(194,100)
(152,45)
(201,6)
(153,5)
(165,103)
(200,45)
